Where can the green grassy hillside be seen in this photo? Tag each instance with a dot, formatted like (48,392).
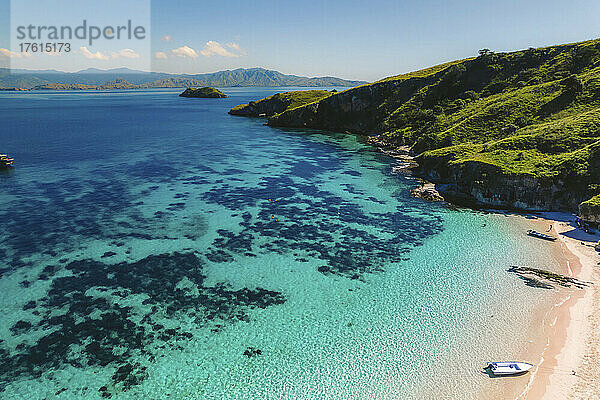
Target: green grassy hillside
(590,210)
(594,201)
(534,112)
(279,103)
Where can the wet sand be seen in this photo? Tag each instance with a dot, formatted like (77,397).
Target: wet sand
(571,370)
(564,334)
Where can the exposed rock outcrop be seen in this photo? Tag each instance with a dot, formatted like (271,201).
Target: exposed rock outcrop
(488,185)
(279,103)
(589,210)
(360,110)
(427,191)
(261,108)
(499,130)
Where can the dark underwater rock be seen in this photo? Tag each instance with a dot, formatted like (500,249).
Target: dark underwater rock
(540,278)
(21,327)
(252,352)
(97,326)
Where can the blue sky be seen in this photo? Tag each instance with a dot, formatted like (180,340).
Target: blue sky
(350,39)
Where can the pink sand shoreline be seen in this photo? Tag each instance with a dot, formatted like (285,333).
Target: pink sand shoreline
(569,330)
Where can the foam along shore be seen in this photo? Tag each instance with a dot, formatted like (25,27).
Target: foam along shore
(567,365)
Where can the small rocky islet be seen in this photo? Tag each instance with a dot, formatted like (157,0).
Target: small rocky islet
(206,92)
(511,130)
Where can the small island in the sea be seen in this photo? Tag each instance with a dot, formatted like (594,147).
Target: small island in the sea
(203,93)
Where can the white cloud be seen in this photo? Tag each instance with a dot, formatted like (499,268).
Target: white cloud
(166,38)
(236,47)
(159,55)
(126,53)
(185,51)
(13,54)
(53,53)
(212,48)
(93,56)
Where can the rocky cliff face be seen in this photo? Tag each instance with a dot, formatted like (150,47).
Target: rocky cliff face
(362,110)
(263,108)
(279,103)
(514,130)
(487,185)
(359,110)
(589,210)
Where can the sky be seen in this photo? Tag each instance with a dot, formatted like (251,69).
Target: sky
(365,40)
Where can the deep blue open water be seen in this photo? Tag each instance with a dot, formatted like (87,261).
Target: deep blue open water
(155,247)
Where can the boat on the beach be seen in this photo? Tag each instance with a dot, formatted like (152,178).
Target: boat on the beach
(539,235)
(509,367)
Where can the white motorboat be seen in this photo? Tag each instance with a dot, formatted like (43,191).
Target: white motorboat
(538,235)
(509,367)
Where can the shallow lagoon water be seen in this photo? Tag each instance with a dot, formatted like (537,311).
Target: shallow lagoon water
(153,246)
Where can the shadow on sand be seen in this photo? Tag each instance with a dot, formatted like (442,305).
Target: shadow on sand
(582,236)
(574,233)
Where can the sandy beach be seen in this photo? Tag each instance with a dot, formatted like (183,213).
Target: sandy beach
(565,334)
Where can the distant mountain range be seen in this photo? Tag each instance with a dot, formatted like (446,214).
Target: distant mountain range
(125,78)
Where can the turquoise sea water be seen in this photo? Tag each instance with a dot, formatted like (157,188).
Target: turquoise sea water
(155,247)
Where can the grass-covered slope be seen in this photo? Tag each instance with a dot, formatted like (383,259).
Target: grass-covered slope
(530,119)
(279,103)
(593,202)
(590,209)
